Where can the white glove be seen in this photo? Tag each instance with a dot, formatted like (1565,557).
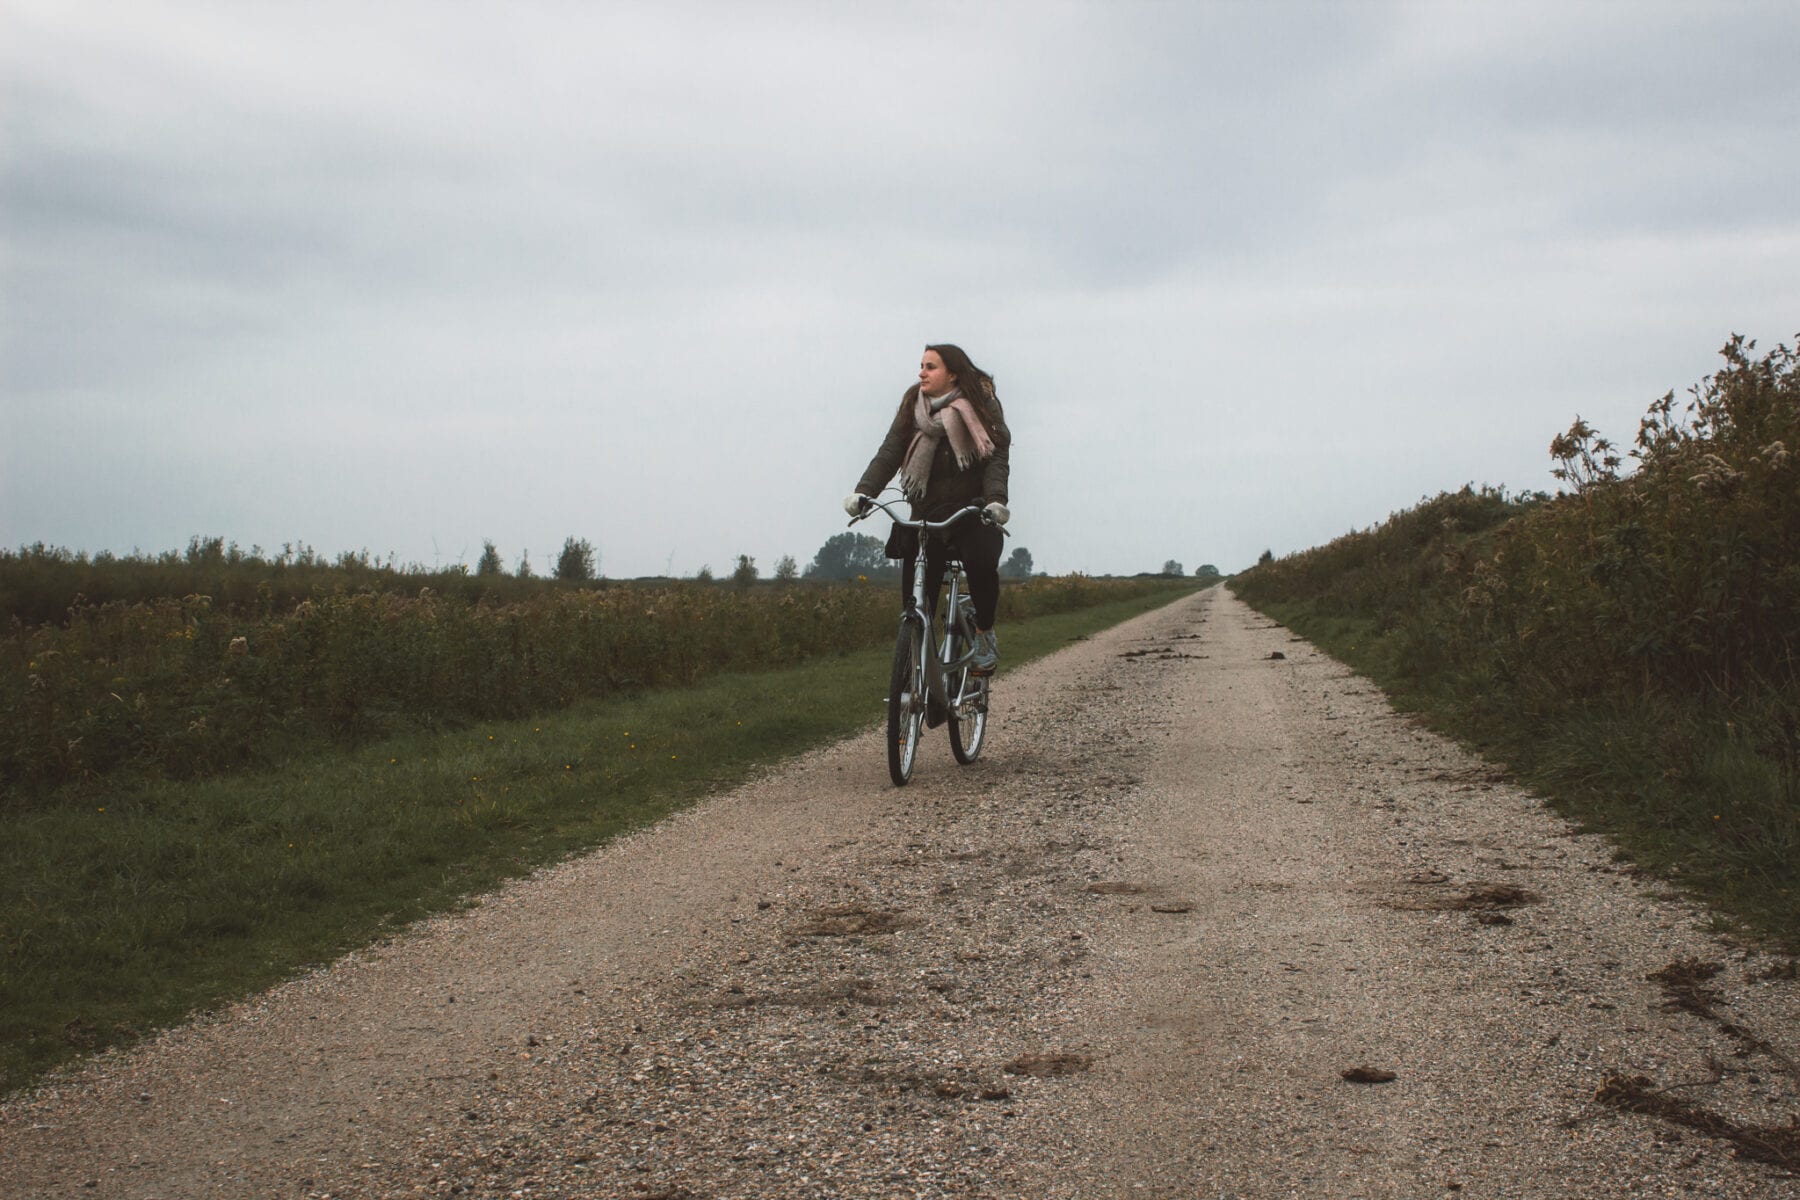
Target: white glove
(854,503)
(998,513)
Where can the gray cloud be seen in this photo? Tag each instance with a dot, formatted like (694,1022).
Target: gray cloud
(408,277)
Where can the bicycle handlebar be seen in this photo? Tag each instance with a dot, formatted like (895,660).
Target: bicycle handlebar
(958,515)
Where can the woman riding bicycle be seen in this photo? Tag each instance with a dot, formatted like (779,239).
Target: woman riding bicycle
(949,442)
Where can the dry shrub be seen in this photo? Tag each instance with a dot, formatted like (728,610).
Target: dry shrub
(184,687)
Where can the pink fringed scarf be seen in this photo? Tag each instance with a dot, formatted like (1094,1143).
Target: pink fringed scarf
(955,420)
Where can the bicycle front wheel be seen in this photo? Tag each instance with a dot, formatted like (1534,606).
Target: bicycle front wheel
(906,705)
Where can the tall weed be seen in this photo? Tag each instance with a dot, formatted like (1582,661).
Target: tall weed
(1666,589)
(184,687)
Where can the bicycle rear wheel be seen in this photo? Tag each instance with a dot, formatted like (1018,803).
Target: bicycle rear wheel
(906,705)
(968,721)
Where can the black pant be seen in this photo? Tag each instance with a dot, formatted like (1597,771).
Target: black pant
(977,544)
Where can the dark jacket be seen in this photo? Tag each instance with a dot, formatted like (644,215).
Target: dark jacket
(950,486)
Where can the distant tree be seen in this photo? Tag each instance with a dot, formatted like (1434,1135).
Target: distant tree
(490,561)
(1173,568)
(745,575)
(786,569)
(1017,564)
(206,552)
(1208,571)
(847,555)
(576,562)
(524,568)
(1265,558)
(704,574)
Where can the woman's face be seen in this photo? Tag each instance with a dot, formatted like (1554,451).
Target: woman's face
(934,378)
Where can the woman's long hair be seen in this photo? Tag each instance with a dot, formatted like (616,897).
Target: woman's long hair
(972,382)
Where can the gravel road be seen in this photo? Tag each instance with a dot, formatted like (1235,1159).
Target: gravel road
(1201,871)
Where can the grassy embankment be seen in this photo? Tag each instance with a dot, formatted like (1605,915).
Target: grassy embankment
(176,880)
(1628,648)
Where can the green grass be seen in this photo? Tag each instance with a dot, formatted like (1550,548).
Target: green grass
(1684,793)
(163,899)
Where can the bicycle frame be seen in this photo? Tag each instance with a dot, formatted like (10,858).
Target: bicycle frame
(936,663)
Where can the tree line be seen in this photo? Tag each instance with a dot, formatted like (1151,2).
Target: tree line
(41,583)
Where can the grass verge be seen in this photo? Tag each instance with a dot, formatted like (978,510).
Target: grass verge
(167,898)
(1679,789)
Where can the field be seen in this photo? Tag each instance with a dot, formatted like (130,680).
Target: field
(367,758)
(1630,647)
(190,685)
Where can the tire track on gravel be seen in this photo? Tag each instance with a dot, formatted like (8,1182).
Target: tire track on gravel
(1127,953)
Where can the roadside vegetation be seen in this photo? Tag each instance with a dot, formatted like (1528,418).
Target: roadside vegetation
(189,686)
(1627,647)
(168,883)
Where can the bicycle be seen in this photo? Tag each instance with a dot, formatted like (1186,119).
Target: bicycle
(932,681)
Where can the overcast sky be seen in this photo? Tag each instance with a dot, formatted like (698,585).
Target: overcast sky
(405,276)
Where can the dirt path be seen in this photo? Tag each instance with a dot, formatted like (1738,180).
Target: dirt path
(1128,953)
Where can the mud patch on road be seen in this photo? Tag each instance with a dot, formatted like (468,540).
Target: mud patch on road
(1480,898)
(1687,986)
(1492,896)
(1162,654)
(1778,1145)
(1684,986)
